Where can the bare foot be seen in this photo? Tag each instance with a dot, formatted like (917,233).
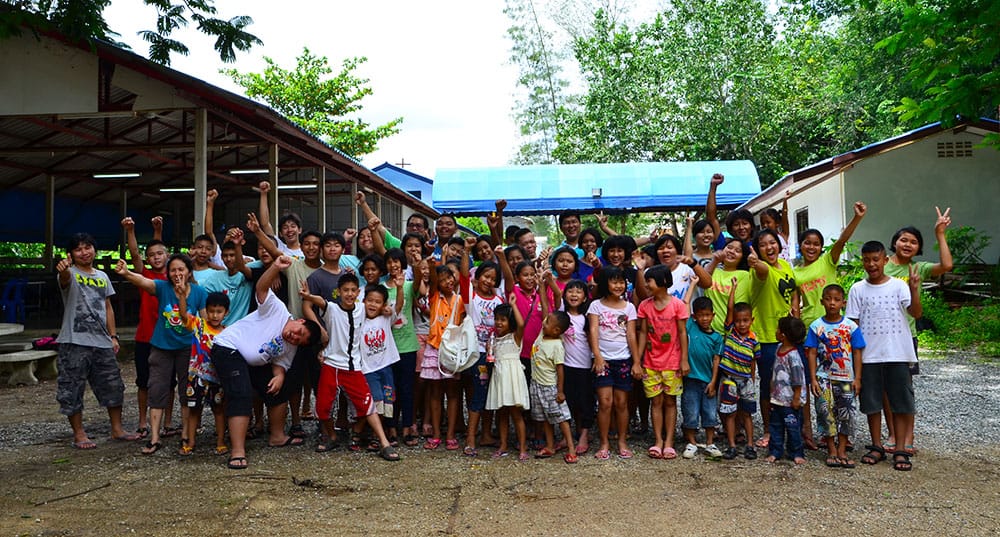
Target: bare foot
(799,460)
(770,458)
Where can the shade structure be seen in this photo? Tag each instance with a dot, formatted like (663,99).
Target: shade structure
(612,188)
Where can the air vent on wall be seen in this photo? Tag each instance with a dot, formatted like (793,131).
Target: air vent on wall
(954,149)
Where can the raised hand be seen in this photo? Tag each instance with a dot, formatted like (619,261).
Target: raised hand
(943,220)
(470,243)
(860,209)
(235,234)
(121,268)
(492,220)
(374,223)
(264,187)
(128,224)
(752,257)
(283,262)
(501,205)
(349,234)
(359,198)
(602,218)
(914,277)
(304,290)
(719,256)
(156,222)
(639,260)
(717,179)
(252,224)
(512,299)
(685,260)
(211,195)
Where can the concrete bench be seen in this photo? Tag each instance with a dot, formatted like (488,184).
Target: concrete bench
(23,366)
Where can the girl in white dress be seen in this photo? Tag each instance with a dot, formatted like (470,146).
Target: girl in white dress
(508,391)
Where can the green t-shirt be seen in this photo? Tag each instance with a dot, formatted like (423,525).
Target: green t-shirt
(771,299)
(722,281)
(811,280)
(902,272)
(391,242)
(403,332)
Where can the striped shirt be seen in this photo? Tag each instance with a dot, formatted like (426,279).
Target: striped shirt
(739,353)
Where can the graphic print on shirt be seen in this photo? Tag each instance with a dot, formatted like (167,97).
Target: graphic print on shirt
(374,340)
(485,310)
(272,349)
(172,315)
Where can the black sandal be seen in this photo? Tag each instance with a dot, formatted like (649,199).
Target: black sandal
(901,461)
(875,455)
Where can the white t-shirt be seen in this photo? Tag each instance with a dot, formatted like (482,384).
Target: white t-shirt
(681,275)
(344,327)
(480,309)
(880,311)
(257,337)
(295,253)
(575,340)
(612,327)
(378,348)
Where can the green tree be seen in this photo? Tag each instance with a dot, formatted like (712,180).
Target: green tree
(474,223)
(539,65)
(83,20)
(317,102)
(953,51)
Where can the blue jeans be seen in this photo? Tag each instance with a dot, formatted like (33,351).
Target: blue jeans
(696,404)
(785,421)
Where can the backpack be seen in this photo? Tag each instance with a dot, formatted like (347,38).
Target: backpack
(459,345)
(45,343)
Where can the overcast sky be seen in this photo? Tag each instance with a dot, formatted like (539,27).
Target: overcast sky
(442,65)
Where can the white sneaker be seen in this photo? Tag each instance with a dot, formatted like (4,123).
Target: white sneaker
(713,451)
(690,451)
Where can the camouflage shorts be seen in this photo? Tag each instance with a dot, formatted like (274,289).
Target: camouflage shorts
(79,364)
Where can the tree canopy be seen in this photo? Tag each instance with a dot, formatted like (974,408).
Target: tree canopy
(782,84)
(319,103)
(83,20)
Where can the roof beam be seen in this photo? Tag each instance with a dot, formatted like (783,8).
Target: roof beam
(129,148)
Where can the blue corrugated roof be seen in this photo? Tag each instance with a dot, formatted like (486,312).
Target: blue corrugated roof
(551,188)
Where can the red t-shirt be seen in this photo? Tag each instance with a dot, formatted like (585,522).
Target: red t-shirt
(663,348)
(149,308)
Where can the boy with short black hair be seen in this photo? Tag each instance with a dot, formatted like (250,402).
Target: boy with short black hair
(879,305)
(787,395)
(342,367)
(88,342)
(203,381)
(548,399)
(834,346)
(738,367)
(699,398)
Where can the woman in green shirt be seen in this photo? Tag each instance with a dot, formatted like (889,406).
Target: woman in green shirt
(773,295)
(723,268)
(906,244)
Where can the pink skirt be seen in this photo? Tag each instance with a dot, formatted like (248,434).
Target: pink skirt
(429,366)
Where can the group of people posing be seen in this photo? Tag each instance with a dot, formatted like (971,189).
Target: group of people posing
(597,331)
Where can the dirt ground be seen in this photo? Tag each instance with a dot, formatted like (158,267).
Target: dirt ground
(51,489)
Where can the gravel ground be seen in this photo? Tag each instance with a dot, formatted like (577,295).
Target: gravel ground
(293,491)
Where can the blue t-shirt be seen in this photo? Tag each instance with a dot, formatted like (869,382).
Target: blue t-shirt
(236,287)
(169,333)
(834,344)
(702,350)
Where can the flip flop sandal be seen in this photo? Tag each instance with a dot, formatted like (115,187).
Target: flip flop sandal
(234,463)
(571,458)
(143,432)
(221,450)
(470,451)
(451,444)
(296,431)
(603,455)
(499,454)
(834,462)
(411,440)
(524,457)
(432,443)
(875,455)
(324,444)
(389,453)
(625,453)
(654,452)
(171,431)
(544,453)
(85,445)
(670,453)
(151,447)
(290,441)
(128,437)
(847,463)
(580,450)
(374,446)
(185,450)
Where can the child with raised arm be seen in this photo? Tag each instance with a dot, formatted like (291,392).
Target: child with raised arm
(699,401)
(787,392)
(378,348)
(737,367)
(613,341)
(156,258)
(663,331)
(342,367)
(879,304)
(508,392)
(203,384)
(834,345)
(446,307)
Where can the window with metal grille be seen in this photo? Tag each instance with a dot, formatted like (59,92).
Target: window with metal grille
(801,221)
(958,149)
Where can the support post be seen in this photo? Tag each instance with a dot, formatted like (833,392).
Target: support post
(321,198)
(354,206)
(50,219)
(272,177)
(200,171)
(122,237)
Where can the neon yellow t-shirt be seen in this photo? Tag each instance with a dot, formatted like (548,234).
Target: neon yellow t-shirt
(771,299)
(722,282)
(902,272)
(811,280)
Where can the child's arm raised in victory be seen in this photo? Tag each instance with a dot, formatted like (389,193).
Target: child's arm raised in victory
(731,306)
(122,270)
(838,247)
(133,246)
(518,318)
(281,262)
(255,227)
(940,228)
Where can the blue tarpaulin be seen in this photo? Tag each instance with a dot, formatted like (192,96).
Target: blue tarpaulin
(613,188)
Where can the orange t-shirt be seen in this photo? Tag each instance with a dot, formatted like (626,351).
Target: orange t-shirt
(441,314)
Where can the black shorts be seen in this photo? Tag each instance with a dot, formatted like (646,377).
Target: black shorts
(891,378)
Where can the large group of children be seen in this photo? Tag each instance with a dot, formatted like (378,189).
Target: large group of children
(604,328)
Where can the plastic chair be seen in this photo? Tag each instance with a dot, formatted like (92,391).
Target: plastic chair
(12,302)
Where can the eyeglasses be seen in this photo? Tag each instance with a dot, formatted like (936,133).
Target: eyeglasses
(414,225)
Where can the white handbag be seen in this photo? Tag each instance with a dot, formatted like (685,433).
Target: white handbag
(459,348)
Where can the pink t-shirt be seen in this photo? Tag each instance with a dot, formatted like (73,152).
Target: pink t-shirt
(663,347)
(532,319)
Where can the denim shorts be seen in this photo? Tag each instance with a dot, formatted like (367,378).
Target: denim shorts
(695,405)
(617,374)
(480,375)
